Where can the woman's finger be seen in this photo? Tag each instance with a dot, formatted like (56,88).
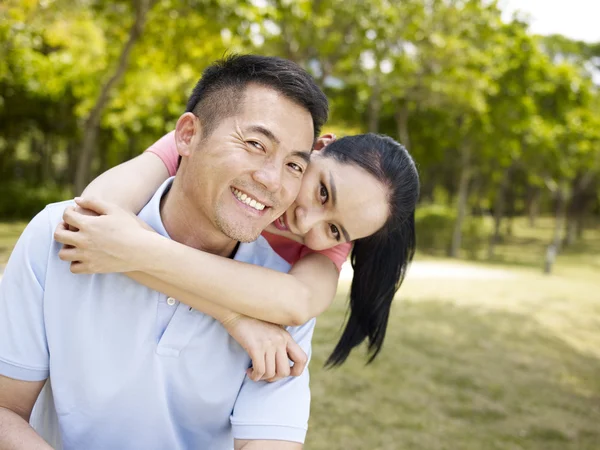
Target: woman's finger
(70,254)
(270,364)
(94,204)
(283,365)
(77,267)
(258,366)
(73,218)
(298,357)
(65,236)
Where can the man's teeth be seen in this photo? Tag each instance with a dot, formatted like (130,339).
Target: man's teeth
(247,200)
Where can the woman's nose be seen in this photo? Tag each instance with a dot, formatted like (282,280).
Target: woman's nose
(308,218)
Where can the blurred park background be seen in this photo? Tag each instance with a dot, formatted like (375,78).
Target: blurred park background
(494,342)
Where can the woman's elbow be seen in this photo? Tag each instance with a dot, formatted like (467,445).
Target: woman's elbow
(302,309)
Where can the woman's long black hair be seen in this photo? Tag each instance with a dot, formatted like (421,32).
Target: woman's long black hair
(380,261)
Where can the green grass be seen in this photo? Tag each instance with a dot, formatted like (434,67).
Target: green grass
(469,364)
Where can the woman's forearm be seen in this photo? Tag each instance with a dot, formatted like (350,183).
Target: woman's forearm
(130,184)
(214,310)
(247,289)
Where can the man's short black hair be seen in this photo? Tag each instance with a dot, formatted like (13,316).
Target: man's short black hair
(220,91)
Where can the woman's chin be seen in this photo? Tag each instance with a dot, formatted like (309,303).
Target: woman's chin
(274,230)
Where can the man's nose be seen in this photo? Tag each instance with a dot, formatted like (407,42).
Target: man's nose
(269,175)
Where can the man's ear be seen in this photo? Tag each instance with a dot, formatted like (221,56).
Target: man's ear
(324,141)
(187,132)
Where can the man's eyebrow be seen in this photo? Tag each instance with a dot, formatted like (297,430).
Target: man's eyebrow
(265,132)
(305,156)
(333,189)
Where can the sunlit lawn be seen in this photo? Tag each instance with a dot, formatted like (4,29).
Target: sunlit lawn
(473,364)
(470,364)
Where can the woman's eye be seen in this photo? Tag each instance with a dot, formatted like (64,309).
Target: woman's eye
(256,145)
(323,193)
(296,167)
(335,232)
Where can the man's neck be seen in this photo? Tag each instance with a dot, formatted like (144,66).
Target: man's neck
(187,226)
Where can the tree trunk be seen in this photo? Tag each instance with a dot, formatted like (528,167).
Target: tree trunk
(463,196)
(576,208)
(499,211)
(570,232)
(374,108)
(510,210)
(92,123)
(533,205)
(554,247)
(402,123)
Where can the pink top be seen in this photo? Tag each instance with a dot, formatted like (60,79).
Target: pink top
(289,250)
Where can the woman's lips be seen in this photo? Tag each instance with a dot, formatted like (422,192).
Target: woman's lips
(280,223)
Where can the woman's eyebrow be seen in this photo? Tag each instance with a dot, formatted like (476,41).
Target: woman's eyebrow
(333,190)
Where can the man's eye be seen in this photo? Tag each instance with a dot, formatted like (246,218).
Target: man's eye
(323,193)
(296,167)
(256,145)
(335,232)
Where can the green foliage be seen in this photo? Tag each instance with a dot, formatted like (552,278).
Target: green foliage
(434,227)
(469,93)
(434,224)
(20,201)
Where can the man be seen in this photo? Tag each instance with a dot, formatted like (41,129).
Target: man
(128,367)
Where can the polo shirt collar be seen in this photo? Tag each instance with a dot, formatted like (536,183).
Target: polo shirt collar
(151,212)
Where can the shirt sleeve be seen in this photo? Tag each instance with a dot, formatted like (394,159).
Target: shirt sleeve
(276,411)
(23,345)
(166,150)
(338,254)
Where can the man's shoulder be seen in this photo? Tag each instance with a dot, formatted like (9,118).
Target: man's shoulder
(260,253)
(55,210)
(43,224)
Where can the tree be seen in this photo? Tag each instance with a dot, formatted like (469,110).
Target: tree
(92,122)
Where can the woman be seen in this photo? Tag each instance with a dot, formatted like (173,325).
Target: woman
(361,189)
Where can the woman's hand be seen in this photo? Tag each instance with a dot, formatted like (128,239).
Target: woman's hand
(269,346)
(112,241)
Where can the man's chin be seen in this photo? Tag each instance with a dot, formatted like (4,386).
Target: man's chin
(242,235)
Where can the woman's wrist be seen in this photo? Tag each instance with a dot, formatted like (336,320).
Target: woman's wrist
(145,250)
(229,319)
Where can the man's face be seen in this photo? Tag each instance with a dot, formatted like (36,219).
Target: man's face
(248,171)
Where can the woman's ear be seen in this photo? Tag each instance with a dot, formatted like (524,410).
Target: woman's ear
(324,141)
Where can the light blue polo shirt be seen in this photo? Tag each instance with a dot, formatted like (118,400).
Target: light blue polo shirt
(129,368)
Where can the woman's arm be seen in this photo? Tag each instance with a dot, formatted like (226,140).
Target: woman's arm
(116,242)
(269,346)
(285,298)
(130,184)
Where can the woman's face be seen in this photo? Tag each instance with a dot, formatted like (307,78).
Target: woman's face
(337,203)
